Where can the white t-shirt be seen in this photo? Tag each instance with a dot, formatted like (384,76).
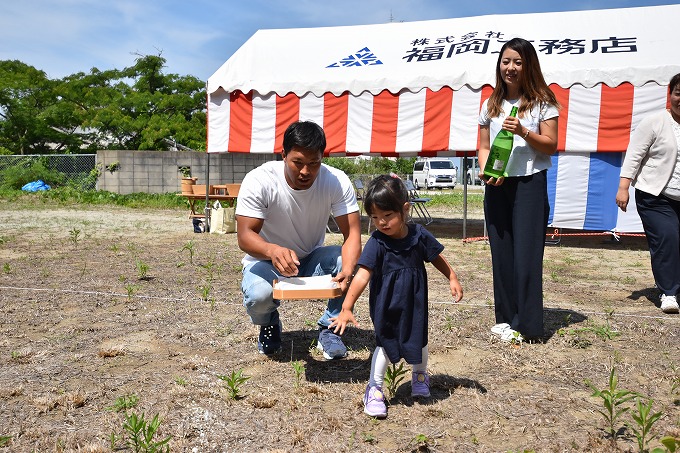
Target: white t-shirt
(524,159)
(295,219)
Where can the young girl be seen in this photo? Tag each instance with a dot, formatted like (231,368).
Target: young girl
(393,261)
(516,206)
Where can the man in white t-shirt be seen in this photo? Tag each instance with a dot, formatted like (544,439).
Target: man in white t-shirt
(282,213)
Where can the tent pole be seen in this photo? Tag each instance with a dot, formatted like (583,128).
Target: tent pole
(207,193)
(465,166)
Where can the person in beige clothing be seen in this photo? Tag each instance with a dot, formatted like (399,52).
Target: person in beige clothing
(652,165)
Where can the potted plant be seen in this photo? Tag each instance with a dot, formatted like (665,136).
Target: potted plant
(187,180)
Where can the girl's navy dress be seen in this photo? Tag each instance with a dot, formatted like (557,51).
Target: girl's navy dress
(398,290)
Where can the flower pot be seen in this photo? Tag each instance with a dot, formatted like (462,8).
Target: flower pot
(187,185)
(199,189)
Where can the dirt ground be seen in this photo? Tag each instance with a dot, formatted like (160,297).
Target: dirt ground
(101,304)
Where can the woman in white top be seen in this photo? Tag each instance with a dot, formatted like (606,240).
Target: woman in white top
(652,164)
(516,206)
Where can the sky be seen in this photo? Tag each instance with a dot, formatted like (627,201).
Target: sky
(196,37)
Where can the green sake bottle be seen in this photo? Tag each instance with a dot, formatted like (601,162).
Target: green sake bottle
(499,154)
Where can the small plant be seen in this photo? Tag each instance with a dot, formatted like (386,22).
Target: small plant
(179,380)
(204,290)
(131,290)
(6,268)
(613,400)
(123,403)
(189,247)
(140,433)
(233,383)
(185,171)
(113,438)
(644,420)
(448,326)
(299,369)
(142,269)
(4,440)
(422,442)
(369,438)
(74,236)
(393,377)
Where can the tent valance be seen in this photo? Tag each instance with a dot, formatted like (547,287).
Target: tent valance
(426,123)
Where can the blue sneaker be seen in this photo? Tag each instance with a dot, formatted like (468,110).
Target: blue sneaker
(269,341)
(420,385)
(330,344)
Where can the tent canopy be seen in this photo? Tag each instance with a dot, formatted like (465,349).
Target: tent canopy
(579,47)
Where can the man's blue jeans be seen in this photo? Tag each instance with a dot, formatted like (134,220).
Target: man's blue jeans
(259,276)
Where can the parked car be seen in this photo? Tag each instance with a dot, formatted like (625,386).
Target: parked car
(434,172)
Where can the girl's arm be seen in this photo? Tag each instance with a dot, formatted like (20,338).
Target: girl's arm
(484,148)
(545,141)
(445,268)
(346,316)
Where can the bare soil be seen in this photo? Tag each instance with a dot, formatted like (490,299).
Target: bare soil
(97,304)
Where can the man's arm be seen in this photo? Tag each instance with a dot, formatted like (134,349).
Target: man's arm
(249,240)
(350,227)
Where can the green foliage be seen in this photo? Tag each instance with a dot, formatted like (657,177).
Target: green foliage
(4,440)
(372,166)
(613,400)
(74,236)
(189,247)
(299,369)
(671,443)
(645,419)
(393,377)
(16,176)
(142,269)
(233,383)
(140,434)
(66,196)
(123,403)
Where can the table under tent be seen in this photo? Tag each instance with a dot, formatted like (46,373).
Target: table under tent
(415,89)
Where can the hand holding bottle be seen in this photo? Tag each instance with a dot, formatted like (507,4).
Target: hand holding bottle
(512,124)
(501,147)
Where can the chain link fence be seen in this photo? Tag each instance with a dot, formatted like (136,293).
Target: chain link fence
(74,169)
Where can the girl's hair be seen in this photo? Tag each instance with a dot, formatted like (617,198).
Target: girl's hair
(675,80)
(534,91)
(387,193)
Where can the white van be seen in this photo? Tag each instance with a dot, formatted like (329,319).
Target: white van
(434,172)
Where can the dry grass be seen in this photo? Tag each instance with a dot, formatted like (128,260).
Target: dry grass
(73,340)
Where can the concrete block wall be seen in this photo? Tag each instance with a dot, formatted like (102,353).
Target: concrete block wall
(158,171)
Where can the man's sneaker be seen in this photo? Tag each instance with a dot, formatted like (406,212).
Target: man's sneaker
(420,385)
(330,344)
(374,402)
(498,329)
(269,341)
(669,304)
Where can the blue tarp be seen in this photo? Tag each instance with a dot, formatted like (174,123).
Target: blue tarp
(35,186)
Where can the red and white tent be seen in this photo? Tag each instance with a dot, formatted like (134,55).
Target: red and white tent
(415,88)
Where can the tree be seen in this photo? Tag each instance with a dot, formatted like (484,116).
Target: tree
(133,108)
(151,107)
(26,120)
